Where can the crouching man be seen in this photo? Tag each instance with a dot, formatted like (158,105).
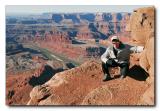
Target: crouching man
(117,55)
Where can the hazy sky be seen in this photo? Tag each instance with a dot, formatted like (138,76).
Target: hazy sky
(10,9)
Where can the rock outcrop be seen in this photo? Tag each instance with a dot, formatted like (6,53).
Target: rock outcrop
(83,85)
(142,33)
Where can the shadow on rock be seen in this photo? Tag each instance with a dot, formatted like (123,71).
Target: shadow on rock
(47,74)
(138,73)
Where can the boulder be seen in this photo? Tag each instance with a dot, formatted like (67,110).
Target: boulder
(142,27)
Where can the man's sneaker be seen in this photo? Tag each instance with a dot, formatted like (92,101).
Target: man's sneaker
(106,77)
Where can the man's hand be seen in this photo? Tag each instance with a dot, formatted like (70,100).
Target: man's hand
(111,61)
(137,49)
(140,48)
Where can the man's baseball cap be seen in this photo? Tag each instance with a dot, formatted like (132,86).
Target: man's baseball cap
(114,38)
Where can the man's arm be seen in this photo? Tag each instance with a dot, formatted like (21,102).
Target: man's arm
(105,56)
(137,49)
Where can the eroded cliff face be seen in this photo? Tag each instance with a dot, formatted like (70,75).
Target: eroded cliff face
(83,85)
(142,28)
(18,86)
